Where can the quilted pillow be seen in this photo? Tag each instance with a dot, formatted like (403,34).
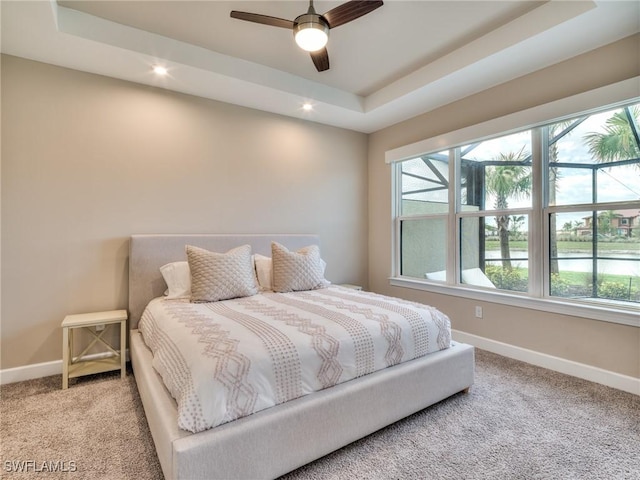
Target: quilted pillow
(219,276)
(296,271)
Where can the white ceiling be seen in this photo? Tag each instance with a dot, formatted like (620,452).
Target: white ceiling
(403,59)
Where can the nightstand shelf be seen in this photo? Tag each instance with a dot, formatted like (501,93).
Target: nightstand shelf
(89,367)
(96,324)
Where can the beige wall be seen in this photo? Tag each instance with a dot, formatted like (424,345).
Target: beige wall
(600,344)
(88,161)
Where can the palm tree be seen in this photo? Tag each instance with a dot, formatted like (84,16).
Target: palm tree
(516,224)
(504,182)
(618,141)
(567,227)
(576,225)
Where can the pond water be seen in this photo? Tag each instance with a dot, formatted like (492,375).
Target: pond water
(620,264)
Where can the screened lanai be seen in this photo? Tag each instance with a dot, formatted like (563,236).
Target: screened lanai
(568,191)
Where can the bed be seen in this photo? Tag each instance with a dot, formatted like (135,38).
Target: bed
(281,438)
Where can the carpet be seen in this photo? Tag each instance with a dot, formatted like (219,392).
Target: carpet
(518,422)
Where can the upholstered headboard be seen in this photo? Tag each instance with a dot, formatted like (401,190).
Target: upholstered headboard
(147,253)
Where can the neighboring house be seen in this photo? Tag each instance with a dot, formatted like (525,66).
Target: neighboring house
(622,223)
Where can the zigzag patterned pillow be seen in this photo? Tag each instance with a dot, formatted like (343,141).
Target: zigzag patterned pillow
(297,271)
(220,276)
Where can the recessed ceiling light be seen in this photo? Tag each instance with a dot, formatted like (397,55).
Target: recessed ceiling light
(159,70)
(307,107)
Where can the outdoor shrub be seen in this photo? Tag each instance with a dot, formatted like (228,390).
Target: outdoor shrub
(614,291)
(514,279)
(559,286)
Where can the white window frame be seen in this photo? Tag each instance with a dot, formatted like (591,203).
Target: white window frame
(585,103)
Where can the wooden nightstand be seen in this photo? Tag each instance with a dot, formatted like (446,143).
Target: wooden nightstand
(96,324)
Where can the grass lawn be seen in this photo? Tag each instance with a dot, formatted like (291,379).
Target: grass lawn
(582,278)
(585,278)
(573,247)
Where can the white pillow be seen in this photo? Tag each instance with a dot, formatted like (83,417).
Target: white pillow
(440,275)
(471,276)
(264,268)
(177,276)
(220,276)
(475,276)
(297,271)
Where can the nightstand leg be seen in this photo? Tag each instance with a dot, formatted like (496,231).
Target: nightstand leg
(65,358)
(123,349)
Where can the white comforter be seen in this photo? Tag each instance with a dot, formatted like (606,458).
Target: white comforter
(225,360)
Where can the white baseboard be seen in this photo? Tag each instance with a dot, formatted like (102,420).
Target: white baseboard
(562,365)
(39,370)
(569,367)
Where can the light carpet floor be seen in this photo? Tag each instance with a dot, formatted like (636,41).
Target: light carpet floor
(518,422)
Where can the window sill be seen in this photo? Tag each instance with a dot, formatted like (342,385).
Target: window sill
(608,313)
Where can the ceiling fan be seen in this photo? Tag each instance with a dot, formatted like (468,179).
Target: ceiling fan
(311,30)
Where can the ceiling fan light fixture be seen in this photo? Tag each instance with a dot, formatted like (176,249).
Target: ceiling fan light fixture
(311,32)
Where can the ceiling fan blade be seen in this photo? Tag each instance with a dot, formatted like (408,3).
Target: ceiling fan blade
(350,11)
(264,19)
(320,59)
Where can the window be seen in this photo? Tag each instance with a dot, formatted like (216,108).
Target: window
(424,209)
(496,199)
(550,212)
(594,160)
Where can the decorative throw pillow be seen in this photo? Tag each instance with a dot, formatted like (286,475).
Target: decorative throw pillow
(264,268)
(177,276)
(299,270)
(220,276)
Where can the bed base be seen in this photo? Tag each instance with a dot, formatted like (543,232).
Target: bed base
(277,440)
(280,439)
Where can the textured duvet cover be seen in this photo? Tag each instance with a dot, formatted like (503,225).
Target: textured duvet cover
(228,359)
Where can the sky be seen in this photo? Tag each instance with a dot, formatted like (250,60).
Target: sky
(574,185)
(614,184)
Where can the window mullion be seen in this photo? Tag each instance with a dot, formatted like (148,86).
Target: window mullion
(396,194)
(453,254)
(537,245)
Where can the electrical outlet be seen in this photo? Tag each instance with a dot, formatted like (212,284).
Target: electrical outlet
(100,327)
(478,311)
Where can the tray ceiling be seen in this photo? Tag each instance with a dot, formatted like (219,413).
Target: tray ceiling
(401,60)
